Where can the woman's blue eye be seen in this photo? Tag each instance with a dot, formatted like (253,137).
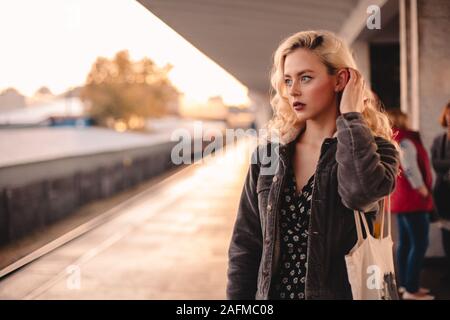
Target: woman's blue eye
(306,78)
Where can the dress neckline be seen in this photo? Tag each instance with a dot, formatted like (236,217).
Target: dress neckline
(294,179)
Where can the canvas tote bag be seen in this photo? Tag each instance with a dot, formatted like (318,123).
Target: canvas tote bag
(370,263)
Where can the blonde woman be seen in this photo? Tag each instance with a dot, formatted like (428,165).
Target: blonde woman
(334,153)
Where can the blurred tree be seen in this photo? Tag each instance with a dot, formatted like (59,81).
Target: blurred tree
(71,92)
(42,95)
(120,91)
(43,91)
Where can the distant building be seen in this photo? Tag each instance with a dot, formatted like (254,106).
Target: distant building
(11,99)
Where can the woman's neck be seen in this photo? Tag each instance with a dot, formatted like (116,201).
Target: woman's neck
(316,131)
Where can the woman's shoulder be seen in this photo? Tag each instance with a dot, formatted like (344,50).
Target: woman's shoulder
(268,147)
(265,158)
(387,148)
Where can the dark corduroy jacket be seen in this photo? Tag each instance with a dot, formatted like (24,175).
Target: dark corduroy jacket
(355,171)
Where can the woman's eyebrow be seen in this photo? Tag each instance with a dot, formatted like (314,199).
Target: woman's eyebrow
(299,73)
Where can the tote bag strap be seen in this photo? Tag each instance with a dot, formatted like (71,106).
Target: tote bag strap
(386,206)
(360,216)
(358,227)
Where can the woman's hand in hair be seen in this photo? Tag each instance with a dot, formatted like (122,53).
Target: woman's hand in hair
(353,96)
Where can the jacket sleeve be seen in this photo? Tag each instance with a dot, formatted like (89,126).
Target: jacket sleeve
(245,249)
(367,166)
(440,165)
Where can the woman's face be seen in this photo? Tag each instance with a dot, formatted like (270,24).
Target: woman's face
(310,89)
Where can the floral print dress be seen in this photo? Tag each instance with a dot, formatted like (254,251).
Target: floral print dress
(294,221)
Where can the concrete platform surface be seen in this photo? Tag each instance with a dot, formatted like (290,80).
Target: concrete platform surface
(170,243)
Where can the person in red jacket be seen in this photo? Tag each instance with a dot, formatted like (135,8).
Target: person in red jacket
(412,203)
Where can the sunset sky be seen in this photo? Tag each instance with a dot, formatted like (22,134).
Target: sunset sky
(53,43)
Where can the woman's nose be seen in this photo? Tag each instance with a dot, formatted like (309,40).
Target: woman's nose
(294,90)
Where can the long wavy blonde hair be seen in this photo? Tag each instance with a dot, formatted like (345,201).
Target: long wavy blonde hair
(335,54)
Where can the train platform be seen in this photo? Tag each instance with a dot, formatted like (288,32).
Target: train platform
(169,241)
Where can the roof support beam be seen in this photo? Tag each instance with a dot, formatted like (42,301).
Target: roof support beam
(357,19)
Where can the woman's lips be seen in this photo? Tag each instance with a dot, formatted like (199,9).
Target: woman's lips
(298,106)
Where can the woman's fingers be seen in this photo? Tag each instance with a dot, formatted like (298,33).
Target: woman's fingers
(353,98)
(351,81)
(359,81)
(352,75)
(358,78)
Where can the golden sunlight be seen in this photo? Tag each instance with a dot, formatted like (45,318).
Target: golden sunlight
(54,43)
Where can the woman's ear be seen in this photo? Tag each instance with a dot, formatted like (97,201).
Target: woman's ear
(342,77)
